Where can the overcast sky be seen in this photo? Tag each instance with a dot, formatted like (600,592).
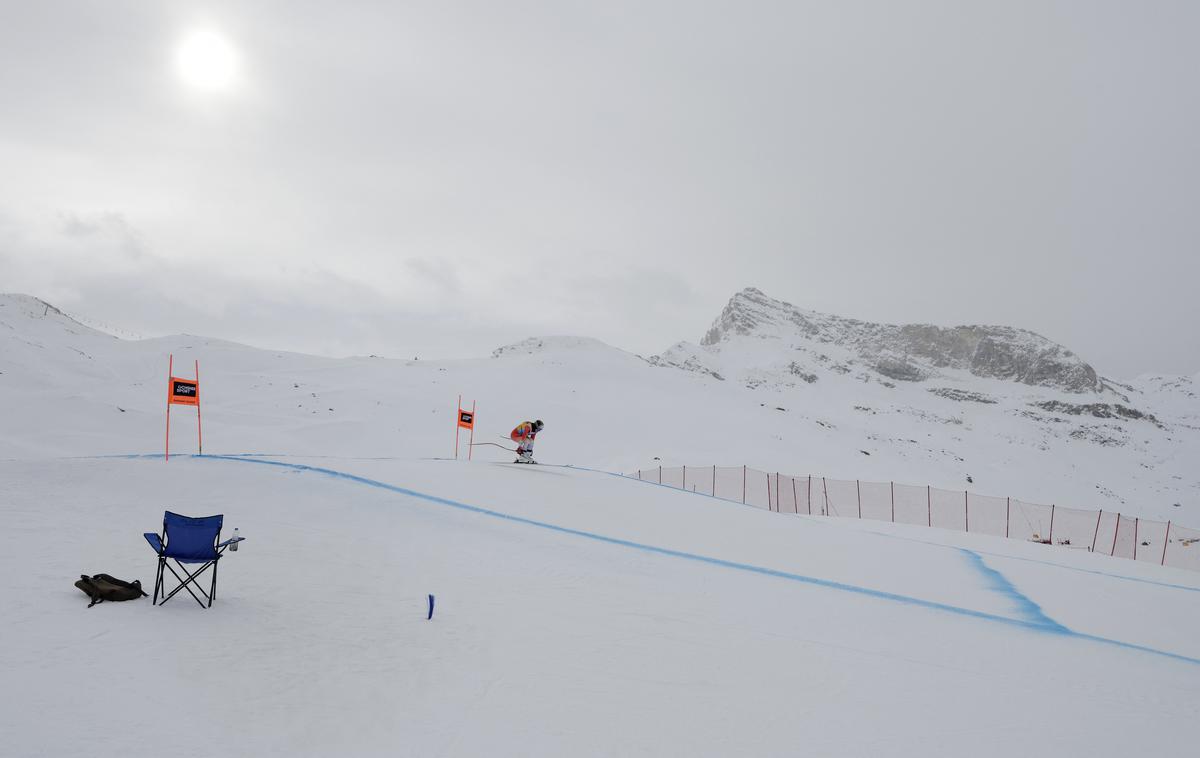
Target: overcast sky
(440,178)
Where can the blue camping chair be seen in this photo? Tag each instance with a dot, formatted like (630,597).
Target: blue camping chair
(188,540)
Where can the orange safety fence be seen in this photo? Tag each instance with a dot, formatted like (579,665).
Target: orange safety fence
(1105,532)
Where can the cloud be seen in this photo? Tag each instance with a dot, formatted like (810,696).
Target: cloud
(448,178)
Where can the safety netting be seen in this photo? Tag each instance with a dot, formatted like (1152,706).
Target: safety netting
(758,488)
(948,509)
(1074,528)
(791,493)
(1124,537)
(1183,548)
(912,505)
(987,514)
(840,498)
(876,500)
(1150,541)
(729,482)
(1099,531)
(672,477)
(1029,521)
(699,479)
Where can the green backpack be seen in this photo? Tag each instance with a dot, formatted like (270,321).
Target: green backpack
(103,587)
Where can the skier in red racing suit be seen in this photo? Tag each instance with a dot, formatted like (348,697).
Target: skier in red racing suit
(524,435)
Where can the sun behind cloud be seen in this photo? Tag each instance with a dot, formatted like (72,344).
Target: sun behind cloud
(206,60)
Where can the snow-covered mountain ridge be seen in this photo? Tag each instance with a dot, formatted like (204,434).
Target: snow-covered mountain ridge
(770,398)
(908,353)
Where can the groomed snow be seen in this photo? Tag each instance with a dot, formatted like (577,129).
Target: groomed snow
(578,612)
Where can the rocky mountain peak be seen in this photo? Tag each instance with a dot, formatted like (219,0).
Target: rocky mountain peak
(909,352)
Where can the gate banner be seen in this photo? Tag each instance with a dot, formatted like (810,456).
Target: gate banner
(184,391)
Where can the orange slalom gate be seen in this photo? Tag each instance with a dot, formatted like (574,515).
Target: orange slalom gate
(183,391)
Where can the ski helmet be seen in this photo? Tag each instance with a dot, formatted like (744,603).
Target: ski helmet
(537,425)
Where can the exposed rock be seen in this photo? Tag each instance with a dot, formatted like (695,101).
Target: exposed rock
(962,395)
(911,352)
(900,370)
(688,364)
(1097,410)
(796,370)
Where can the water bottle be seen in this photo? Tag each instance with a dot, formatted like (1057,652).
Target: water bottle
(235,540)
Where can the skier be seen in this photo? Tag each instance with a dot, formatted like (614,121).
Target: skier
(523,435)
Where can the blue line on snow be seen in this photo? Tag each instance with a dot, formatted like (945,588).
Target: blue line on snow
(1121,577)
(998,583)
(1035,621)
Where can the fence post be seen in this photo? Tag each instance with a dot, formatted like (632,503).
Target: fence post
(810,494)
(639,475)
(1116,531)
(795,498)
(966,513)
(858,489)
(1166,539)
(1052,523)
(685,478)
(893,502)
(1007,515)
(743,484)
(825,489)
(1097,534)
(714,480)
(1135,536)
(768,476)
(928,506)
(660,474)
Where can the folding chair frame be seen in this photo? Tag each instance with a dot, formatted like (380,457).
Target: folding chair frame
(193,577)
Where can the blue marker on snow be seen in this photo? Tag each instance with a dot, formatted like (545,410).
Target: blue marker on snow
(430,608)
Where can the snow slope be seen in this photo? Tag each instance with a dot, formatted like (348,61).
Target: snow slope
(69,390)
(578,612)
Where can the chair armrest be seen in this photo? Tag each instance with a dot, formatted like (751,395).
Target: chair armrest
(155,542)
(230,541)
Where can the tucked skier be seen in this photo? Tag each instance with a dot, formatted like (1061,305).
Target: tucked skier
(524,435)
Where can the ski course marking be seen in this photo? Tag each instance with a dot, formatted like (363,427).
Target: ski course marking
(886,535)
(1033,618)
